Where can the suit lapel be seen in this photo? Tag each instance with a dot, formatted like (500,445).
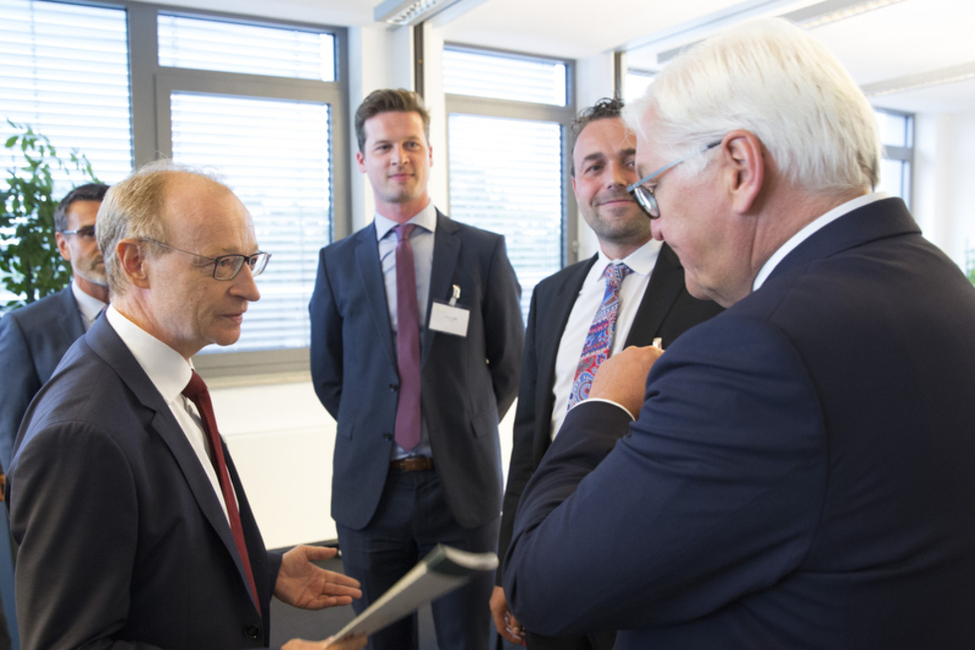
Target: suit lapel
(106,343)
(666,282)
(446,250)
(70,324)
(374,287)
(548,335)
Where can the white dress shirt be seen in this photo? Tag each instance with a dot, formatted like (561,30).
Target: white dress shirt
(590,297)
(169,372)
(89,306)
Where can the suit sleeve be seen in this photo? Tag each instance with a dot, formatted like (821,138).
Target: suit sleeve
(504,328)
(326,341)
(20,384)
(75,564)
(713,493)
(521,464)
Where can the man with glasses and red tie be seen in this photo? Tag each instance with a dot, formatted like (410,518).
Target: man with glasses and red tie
(133,525)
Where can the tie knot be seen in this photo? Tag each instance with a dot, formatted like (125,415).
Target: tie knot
(404,230)
(616,272)
(195,388)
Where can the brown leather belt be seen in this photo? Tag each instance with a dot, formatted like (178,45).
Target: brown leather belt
(414,464)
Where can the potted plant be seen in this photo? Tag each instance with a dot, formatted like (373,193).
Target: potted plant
(30,265)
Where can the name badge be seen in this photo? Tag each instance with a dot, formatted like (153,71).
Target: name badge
(448,317)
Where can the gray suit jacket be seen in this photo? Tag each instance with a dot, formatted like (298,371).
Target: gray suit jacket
(467,382)
(123,541)
(32,341)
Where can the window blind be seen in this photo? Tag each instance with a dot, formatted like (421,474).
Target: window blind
(505,173)
(64,70)
(483,74)
(516,194)
(275,156)
(202,44)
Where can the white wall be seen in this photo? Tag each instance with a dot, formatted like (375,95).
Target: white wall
(944,170)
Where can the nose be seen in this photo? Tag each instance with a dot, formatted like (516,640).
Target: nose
(244,285)
(620,175)
(399,154)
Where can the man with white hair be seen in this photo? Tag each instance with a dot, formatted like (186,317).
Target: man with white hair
(801,470)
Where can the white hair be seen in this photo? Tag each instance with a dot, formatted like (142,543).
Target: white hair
(772,79)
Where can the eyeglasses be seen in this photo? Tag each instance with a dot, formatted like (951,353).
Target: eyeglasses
(87,232)
(226,267)
(644,195)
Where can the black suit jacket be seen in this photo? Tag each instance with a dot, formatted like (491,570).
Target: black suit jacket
(32,341)
(467,382)
(801,475)
(666,311)
(123,541)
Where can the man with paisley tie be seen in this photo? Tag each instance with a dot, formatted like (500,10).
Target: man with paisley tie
(630,293)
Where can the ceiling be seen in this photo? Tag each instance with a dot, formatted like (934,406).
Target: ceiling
(896,48)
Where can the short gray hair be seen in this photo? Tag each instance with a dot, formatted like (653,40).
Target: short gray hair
(772,79)
(133,209)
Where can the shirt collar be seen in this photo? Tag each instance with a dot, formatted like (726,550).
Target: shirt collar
(808,231)
(425,218)
(168,371)
(641,261)
(89,306)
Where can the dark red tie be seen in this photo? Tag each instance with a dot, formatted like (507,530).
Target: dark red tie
(196,391)
(407,342)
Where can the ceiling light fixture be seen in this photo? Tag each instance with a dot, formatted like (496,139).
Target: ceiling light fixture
(832,11)
(409,12)
(952,74)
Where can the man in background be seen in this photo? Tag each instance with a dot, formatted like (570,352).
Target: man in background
(630,293)
(801,470)
(416,344)
(35,337)
(132,522)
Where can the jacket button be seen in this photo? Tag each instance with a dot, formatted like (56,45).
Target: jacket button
(387,436)
(394,387)
(252,632)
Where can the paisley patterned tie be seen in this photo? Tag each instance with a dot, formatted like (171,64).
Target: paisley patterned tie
(599,341)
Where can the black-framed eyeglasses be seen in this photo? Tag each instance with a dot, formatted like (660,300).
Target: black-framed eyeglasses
(644,195)
(87,232)
(226,267)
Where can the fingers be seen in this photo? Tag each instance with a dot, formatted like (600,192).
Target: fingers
(318,553)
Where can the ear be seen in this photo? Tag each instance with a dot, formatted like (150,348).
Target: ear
(361,160)
(133,261)
(430,155)
(746,173)
(573,177)
(62,242)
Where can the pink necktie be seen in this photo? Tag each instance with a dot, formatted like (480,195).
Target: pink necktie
(599,341)
(196,391)
(407,342)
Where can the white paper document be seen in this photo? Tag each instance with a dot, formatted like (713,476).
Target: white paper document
(443,569)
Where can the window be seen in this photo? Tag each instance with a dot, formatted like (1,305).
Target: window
(635,84)
(897,136)
(259,104)
(507,162)
(64,70)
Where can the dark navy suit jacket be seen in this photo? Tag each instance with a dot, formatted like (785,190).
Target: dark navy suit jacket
(801,475)
(666,311)
(123,541)
(467,382)
(32,341)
